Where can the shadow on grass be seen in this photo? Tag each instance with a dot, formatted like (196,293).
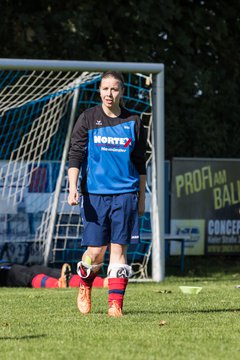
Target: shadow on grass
(203,311)
(24,337)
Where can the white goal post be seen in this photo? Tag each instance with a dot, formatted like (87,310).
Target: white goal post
(157,72)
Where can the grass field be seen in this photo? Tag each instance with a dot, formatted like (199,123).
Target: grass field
(159,321)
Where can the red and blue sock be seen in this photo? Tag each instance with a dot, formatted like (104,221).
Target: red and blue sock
(116,290)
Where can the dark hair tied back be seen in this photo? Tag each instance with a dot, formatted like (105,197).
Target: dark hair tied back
(115,74)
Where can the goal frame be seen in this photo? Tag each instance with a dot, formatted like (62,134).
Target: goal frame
(158,137)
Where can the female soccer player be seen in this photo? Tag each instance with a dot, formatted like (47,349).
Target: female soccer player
(108,145)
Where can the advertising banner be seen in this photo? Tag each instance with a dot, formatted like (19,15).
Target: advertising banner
(205,204)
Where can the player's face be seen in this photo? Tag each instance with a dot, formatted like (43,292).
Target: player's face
(110,92)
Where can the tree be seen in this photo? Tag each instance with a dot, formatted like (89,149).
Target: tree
(196,40)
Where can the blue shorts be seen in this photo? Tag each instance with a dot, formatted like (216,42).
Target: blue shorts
(109,219)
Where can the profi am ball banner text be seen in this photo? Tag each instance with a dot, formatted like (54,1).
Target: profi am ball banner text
(205,203)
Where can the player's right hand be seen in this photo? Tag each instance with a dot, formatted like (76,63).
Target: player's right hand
(73,198)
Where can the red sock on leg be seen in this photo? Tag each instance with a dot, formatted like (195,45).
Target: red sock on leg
(44,281)
(116,290)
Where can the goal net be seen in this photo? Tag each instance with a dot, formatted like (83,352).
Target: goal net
(38,109)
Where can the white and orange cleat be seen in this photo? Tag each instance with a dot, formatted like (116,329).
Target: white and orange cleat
(84,299)
(115,310)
